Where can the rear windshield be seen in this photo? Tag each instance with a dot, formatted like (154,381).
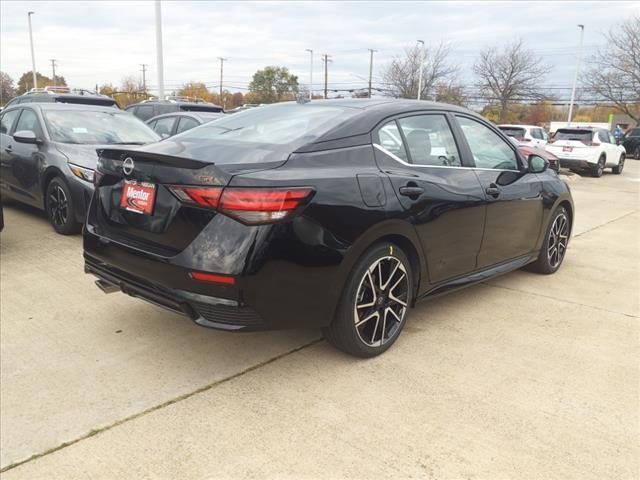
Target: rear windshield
(200,108)
(97,127)
(574,134)
(513,132)
(103,102)
(273,125)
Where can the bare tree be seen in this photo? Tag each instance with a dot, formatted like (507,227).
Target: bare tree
(402,74)
(614,71)
(7,89)
(510,75)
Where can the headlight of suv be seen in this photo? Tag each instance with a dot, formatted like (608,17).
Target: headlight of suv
(82,173)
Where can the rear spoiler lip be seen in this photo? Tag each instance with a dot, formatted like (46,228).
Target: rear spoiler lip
(181,162)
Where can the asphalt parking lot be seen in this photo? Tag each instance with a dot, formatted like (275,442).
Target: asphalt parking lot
(525,376)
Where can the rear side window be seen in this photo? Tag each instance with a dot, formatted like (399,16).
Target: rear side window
(144,112)
(164,126)
(186,123)
(29,121)
(7,121)
(430,141)
(603,136)
(391,140)
(536,133)
(574,134)
(635,132)
(488,148)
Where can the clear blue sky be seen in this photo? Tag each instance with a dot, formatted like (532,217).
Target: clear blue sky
(102,41)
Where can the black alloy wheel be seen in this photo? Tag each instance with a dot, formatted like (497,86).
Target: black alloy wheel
(636,153)
(60,208)
(598,170)
(618,168)
(375,303)
(555,243)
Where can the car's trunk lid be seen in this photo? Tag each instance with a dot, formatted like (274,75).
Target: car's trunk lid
(172,225)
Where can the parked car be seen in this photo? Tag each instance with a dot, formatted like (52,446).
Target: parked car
(587,148)
(631,142)
(312,214)
(62,95)
(527,151)
(152,108)
(48,155)
(171,124)
(529,134)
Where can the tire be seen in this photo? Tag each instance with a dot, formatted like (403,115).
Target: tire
(549,260)
(636,153)
(60,208)
(369,319)
(618,169)
(598,170)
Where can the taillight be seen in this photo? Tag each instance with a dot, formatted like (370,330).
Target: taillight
(212,278)
(262,205)
(252,206)
(589,143)
(201,196)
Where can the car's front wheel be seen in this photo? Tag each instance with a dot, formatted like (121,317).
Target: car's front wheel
(60,208)
(618,168)
(555,243)
(375,303)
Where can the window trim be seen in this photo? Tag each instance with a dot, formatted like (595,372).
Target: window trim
(15,121)
(185,117)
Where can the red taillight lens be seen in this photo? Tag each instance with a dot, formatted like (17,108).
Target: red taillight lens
(201,196)
(212,278)
(262,205)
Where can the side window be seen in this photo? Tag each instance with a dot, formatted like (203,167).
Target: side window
(603,136)
(7,120)
(152,125)
(634,133)
(144,112)
(391,139)
(536,133)
(164,126)
(29,121)
(612,139)
(488,149)
(430,141)
(186,123)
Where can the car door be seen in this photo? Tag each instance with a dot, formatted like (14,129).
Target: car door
(441,197)
(513,196)
(24,172)
(608,144)
(7,121)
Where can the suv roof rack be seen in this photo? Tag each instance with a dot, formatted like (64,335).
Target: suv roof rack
(54,90)
(175,99)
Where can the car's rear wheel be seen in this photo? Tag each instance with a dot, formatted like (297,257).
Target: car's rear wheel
(60,208)
(555,243)
(598,170)
(618,168)
(636,153)
(375,303)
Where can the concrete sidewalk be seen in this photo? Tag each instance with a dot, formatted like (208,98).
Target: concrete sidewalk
(525,376)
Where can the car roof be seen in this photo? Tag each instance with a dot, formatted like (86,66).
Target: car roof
(67,106)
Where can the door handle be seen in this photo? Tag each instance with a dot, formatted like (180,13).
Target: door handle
(493,190)
(413,191)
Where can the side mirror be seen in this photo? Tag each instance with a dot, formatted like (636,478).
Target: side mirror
(537,164)
(26,136)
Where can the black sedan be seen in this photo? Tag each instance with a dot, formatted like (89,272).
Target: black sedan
(171,124)
(48,155)
(631,143)
(335,214)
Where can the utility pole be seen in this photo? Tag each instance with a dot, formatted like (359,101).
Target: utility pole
(575,78)
(310,75)
(371,50)
(53,68)
(159,50)
(421,67)
(33,55)
(222,60)
(326,60)
(144,77)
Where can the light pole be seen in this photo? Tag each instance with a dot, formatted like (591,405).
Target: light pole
(221,71)
(575,78)
(159,50)
(421,65)
(33,55)
(53,69)
(371,50)
(310,74)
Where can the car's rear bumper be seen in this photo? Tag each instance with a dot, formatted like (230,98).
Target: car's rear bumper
(576,163)
(208,311)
